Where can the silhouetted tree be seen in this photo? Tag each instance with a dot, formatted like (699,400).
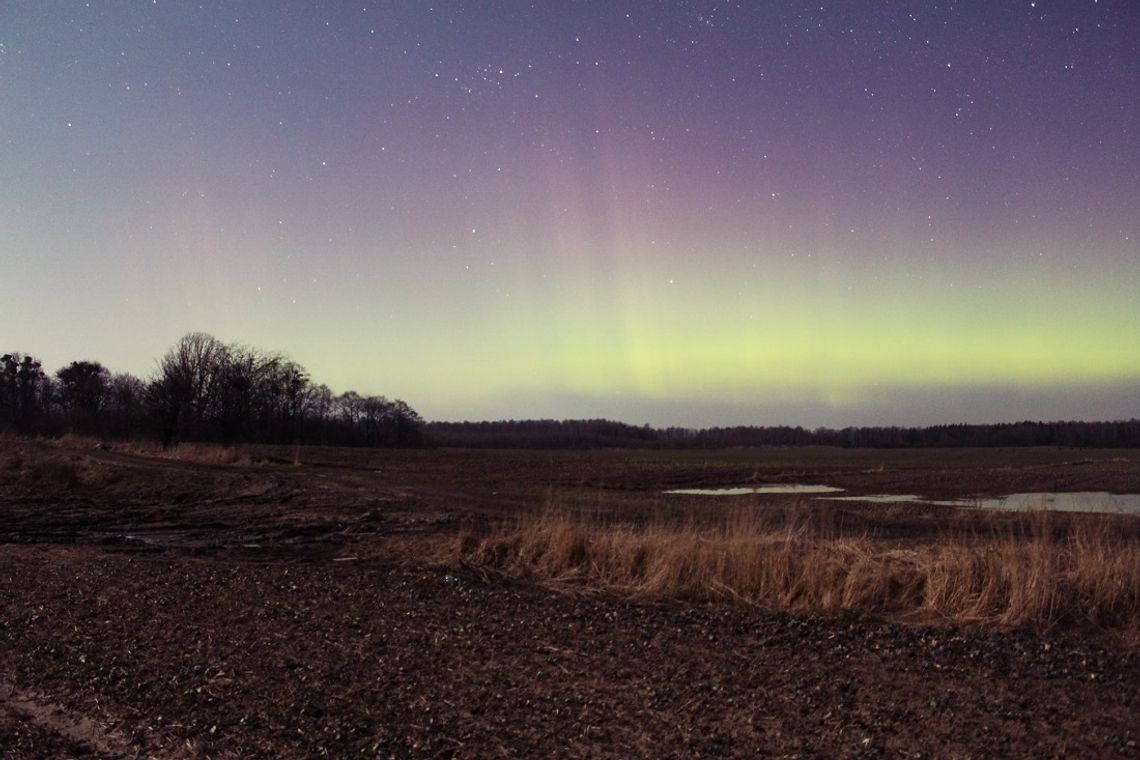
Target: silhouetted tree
(284,395)
(319,411)
(203,389)
(125,406)
(350,410)
(9,390)
(82,393)
(406,424)
(165,400)
(238,393)
(186,390)
(29,377)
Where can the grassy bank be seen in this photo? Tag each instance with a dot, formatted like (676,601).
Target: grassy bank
(1030,571)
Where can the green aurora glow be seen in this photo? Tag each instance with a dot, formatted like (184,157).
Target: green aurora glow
(572,214)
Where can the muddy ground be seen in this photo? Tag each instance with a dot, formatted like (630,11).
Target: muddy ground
(302,604)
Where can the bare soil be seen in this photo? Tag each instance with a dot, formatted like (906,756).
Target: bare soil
(303,604)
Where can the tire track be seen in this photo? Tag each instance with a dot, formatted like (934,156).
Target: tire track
(81,732)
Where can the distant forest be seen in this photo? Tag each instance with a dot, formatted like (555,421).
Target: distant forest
(202,390)
(206,390)
(587,434)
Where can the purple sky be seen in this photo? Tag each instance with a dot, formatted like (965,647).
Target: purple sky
(678,213)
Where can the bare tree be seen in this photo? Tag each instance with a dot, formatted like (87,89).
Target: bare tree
(29,378)
(320,409)
(9,393)
(295,389)
(124,405)
(238,393)
(406,424)
(374,420)
(203,389)
(82,393)
(351,407)
(186,390)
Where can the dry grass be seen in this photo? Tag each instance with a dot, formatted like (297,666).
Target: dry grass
(204,453)
(1021,573)
(198,453)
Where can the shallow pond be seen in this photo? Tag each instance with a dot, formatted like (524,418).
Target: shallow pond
(1077,501)
(879,498)
(744,490)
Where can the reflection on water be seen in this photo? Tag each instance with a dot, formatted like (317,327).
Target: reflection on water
(1079,501)
(742,490)
(879,498)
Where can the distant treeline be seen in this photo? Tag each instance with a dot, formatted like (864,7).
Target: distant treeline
(588,434)
(203,390)
(206,390)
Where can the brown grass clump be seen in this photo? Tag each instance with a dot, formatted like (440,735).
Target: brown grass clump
(208,453)
(1029,575)
(195,452)
(1090,575)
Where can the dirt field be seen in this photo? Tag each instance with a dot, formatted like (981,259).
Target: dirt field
(306,603)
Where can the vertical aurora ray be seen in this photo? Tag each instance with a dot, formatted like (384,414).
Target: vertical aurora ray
(688,213)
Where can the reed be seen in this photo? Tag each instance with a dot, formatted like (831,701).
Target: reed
(1021,573)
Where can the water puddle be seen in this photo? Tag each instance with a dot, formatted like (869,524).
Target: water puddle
(745,490)
(1077,501)
(879,498)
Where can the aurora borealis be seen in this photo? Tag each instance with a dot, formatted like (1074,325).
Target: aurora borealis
(691,213)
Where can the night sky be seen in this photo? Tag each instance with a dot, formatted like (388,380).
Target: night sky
(694,213)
